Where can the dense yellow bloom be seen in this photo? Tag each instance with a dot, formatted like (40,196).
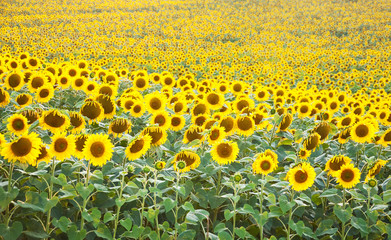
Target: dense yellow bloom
(138,147)
(24,149)
(17,124)
(191,159)
(98,149)
(225,152)
(348,176)
(301,177)
(62,146)
(264,164)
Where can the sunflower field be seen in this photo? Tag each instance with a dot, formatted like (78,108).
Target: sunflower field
(195,119)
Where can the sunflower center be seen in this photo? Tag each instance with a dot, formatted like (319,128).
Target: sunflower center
(64,80)
(18,124)
(168,81)
(43,153)
(336,164)
(178,107)
(242,104)
(245,124)
(224,150)
(22,147)
(362,131)
(160,119)
(80,141)
(54,120)
(91,110)
(119,126)
(76,120)
(137,146)
(213,98)
(155,135)
(97,149)
(346,121)
(106,90)
(199,109)
(155,103)
(31,116)
(2,96)
(175,121)
(301,176)
(140,83)
(304,109)
(193,135)
(261,94)
(137,109)
(227,123)
(22,99)
(14,80)
(44,93)
(347,175)
(79,82)
(33,62)
(90,87)
(61,145)
(237,87)
(37,82)
(72,72)
(387,137)
(214,135)
(107,104)
(265,165)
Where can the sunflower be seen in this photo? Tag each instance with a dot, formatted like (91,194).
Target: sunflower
(119,126)
(363,131)
(90,88)
(168,81)
(138,147)
(348,176)
(127,103)
(199,120)
(138,109)
(312,142)
(23,100)
(375,169)
(4,97)
(385,139)
(98,149)
(304,154)
(229,125)
(344,136)
(80,141)
(108,105)
(214,100)
(162,119)
(62,147)
(286,122)
(24,149)
(54,121)
(14,81)
(33,63)
(79,83)
(264,164)
(301,177)
(191,159)
(345,121)
(108,90)
(64,82)
(155,102)
(45,93)
(245,125)
(17,124)
(242,103)
(155,78)
(224,152)
(77,121)
(216,135)
(304,110)
(37,80)
(31,115)
(335,163)
(180,106)
(2,140)
(92,110)
(261,95)
(159,136)
(193,133)
(200,108)
(140,83)
(323,129)
(44,155)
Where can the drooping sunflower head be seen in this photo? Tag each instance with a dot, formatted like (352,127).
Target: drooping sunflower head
(119,126)
(4,97)
(363,131)
(138,147)
(323,129)
(229,124)
(25,149)
(77,122)
(344,136)
(242,103)
(23,100)
(335,163)
(31,115)
(108,89)
(98,149)
(92,110)
(17,124)
(80,141)
(312,142)
(62,146)
(159,136)
(301,177)
(44,155)
(264,164)
(191,159)
(348,176)
(286,122)
(225,152)
(177,122)
(107,104)
(193,133)
(245,125)
(54,121)
(375,169)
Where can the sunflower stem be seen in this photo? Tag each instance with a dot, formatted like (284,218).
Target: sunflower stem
(156,208)
(176,203)
(143,202)
(85,200)
(368,207)
(234,216)
(288,233)
(50,196)
(11,169)
(343,204)
(120,198)
(261,209)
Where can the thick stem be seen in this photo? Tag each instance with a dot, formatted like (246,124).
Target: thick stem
(234,217)
(50,196)
(120,198)
(85,200)
(156,209)
(176,205)
(288,233)
(343,224)
(261,209)
(11,169)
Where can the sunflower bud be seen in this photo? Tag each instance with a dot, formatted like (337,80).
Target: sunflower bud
(181,165)
(146,169)
(238,177)
(159,165)
(130,169)
(372,182)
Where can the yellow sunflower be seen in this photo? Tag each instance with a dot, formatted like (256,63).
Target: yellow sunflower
(14,81)
(385,139)
(245,125)
(54,121)
(17,124)
(363,131)
(80,141)
(45,93)
(286,122)
(155,102)
(264,164)
(4,97)
(92,110)
(159,136)
(140,83)
(216,134)
(214,100)
(138,147)
(77,121)
(98,149)
(312,142)
(23,100)
(2,140)
(138,109)
(304,154)
(193,133)
(108,105)
(344,136)
(323,129)
(191,159)
(301,177)
(304,110)
(225,152)
(162,119)
(62,147)
(177,122)
(44,155)
(335,163)
(229,124)
(24,149)
(375,169)
(37,80)
(119,126)
(348,176)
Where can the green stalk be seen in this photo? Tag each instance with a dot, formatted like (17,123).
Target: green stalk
(50,196)
(85,200)
(343,224)
(11,170)
(120,198)
(176,203)
(368,206)
(143,203)
(156,209)
(288,233)
(261,209)
(234,217)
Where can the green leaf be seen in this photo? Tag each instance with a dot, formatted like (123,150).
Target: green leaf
(219,227)
(188,207)
(329,193)
(108,217)
(60,179)
(11,233)
(136,231)
(223,235)
(275,212)
(263,218)
(325,227)
(51,204)
(271,198)
(284,204)
(241,232)
(7,197)
(103,232)
(248,209)
(387,196)
(84,191)
(169,204)
(119,202)
(40,235)
(126,223)
(187,235)
(151,214)
(62,223)
(361,225)
(228,214)
(343,214)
